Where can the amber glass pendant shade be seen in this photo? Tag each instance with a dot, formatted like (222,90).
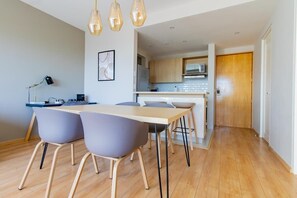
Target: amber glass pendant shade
(115,18)
(138,13)
(95,24)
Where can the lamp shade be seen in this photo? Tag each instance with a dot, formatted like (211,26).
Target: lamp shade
(95,24)
(115,18)
(138,13)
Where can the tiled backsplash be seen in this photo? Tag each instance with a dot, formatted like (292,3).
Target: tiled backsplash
(188,85)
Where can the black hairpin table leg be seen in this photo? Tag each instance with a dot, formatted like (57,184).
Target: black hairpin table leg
(167,167)
(185,139)
(158,162)
(43,154)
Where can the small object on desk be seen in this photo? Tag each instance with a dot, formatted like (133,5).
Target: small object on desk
(80,97)
(154,89)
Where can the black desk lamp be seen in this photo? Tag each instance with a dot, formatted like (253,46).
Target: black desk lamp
(48,80)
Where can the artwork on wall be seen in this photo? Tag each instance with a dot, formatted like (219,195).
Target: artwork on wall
(106,62)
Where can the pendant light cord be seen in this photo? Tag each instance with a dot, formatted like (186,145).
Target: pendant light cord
(95,5)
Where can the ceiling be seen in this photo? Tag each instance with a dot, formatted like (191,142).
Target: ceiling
(229,27)
(192,31)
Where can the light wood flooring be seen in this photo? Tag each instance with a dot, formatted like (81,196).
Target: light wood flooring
(238,164)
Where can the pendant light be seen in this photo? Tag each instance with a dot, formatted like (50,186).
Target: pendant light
(138,13)
(95,24)
(115,18)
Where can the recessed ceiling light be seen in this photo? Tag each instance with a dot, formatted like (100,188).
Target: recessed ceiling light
(171,27)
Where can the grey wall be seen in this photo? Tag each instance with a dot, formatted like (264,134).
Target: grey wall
(32,45)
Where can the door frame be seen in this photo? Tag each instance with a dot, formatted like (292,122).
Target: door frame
(294,132)
(263,83)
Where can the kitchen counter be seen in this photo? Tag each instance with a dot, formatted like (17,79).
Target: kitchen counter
(170,93)
(199,98)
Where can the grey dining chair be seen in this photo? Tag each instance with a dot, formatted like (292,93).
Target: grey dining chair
(57,128)
(150,102)
(135,104)
(159,128)
(113,138)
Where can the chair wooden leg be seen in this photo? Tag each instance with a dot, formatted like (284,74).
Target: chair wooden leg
(194,125)
(190,131)
(132,157)
(114,178)
(150,140)
(51,176)
(95,164)
(30,165)
(78,174)
(170,141)
(142,169)
(72,155)
(176,125)
(159,143)
(172,128)
(111,168)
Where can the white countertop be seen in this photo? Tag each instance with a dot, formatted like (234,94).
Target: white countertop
(170,93)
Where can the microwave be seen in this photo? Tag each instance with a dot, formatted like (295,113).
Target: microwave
(195,68)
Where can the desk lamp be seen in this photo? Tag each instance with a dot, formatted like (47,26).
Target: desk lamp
(48,81)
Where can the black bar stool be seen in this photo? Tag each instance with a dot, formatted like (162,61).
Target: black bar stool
(190,118)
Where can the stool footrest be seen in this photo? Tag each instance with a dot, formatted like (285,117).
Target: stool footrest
(178,130)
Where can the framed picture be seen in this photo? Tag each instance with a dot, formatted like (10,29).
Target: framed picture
(106,62)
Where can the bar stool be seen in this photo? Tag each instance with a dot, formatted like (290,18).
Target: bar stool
(190,118)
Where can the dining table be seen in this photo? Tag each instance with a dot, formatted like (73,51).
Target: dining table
(151,115)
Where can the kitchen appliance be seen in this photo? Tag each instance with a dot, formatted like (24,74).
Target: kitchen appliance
(195,70)
(142,78)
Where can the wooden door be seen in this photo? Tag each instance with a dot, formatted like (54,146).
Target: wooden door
(234,90)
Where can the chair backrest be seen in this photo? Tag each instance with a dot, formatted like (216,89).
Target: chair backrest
(149,102)
(58,126)
(159,104)
(112,136)
(160,127)
(136,104)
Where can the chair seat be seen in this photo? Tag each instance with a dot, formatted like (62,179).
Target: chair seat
(160,128)
(151,102)
(184,105)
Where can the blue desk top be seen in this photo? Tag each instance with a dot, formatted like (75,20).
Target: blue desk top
(43,104)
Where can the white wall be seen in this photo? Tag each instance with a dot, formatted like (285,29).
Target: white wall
(125,45)
(211,86)
(281,79)
(32,45)
(282,32)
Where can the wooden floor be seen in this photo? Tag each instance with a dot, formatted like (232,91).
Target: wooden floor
(238,164)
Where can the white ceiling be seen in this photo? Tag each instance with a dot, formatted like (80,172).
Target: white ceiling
(196,22)
(229,27)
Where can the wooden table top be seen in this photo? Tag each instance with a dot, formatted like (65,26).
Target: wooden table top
(143,114)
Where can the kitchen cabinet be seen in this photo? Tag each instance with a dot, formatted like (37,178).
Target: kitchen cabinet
(166,70)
